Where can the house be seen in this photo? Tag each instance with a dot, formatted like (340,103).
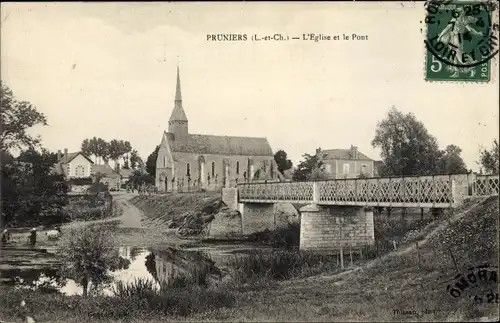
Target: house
(347,163)
(108,176)
(73,165)
(80,171)
(125,175)
(188,160)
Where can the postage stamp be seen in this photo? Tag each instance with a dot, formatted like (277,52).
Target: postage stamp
(461,40)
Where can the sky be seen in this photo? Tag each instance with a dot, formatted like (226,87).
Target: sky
(109,70)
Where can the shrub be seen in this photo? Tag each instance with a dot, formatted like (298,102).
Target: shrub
(288,237)
(279,265)
(87,254)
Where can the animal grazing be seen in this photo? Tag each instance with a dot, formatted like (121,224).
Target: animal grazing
(53,234)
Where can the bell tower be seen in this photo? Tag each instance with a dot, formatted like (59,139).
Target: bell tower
(178,123)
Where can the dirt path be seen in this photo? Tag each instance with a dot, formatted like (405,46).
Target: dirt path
(133,228)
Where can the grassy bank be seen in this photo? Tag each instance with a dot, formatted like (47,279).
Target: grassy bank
(188,212)
(409,283)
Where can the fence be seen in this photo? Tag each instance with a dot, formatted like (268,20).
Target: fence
(416,191)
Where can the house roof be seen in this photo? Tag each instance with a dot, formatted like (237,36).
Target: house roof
(105,169)
(72,156)
(343,154)
(220,145)
(126,172)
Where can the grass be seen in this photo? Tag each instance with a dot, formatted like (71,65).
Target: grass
(401,286)
(286,237)
(182,210)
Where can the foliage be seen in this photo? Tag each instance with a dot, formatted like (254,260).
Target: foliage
(451,161)
(87,253)
(281,159)
(151,162)
(113,150)
(31,193)
(407,147)
(488,159)
(288,237)
(135,160)
(311,167)
(16,117)
(138,178)
(278,265)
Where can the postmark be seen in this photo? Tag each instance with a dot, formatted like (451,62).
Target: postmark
(461,40)
(479,284)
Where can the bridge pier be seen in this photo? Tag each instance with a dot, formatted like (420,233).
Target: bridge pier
(256,217)
(328,228)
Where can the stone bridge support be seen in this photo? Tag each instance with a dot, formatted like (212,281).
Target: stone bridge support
(328,228)
(256,217)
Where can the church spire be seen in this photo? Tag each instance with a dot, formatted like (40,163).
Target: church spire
(178,96)
(178,113)
(178,123)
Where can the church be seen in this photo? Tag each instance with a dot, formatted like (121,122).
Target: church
(188,161)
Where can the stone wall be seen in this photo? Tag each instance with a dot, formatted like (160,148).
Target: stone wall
(328,228)
(257,217)
(225,225)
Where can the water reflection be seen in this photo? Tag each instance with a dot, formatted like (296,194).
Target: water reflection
(158,266)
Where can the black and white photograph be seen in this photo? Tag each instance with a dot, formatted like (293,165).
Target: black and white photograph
(330,161)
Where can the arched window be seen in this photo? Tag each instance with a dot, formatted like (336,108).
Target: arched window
(237,168)
(165,161)
(213,169)
(188,170)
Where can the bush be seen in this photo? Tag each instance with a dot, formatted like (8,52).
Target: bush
(87,254)
(280,265)
(288,237)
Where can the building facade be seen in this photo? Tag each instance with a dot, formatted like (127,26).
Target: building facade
(76,165)
(192,161)
(347,163)
(73,165)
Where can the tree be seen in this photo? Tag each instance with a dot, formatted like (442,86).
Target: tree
(102,149)
(407,147)
(88,254)
(136,161)
(451,161)
(311,167)
(151,162)
(31,193)
(488,159)
(281,160)
(16,117)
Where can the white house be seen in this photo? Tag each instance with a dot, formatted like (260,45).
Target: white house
(73,165)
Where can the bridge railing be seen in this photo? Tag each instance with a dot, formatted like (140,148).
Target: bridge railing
(439,191)
(486,185)
(432,191)
(300,192)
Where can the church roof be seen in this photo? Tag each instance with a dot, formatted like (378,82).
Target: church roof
(220,145)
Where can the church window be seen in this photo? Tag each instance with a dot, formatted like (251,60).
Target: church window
(165,161)
(237,168)
(213,169)
(188,170)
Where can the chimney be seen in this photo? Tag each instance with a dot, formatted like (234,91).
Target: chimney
(65,154)
(59,155)
(354,152)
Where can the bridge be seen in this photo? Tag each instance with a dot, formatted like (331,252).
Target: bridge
(339,212)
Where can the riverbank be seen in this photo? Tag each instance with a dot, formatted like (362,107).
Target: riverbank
(407,284)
